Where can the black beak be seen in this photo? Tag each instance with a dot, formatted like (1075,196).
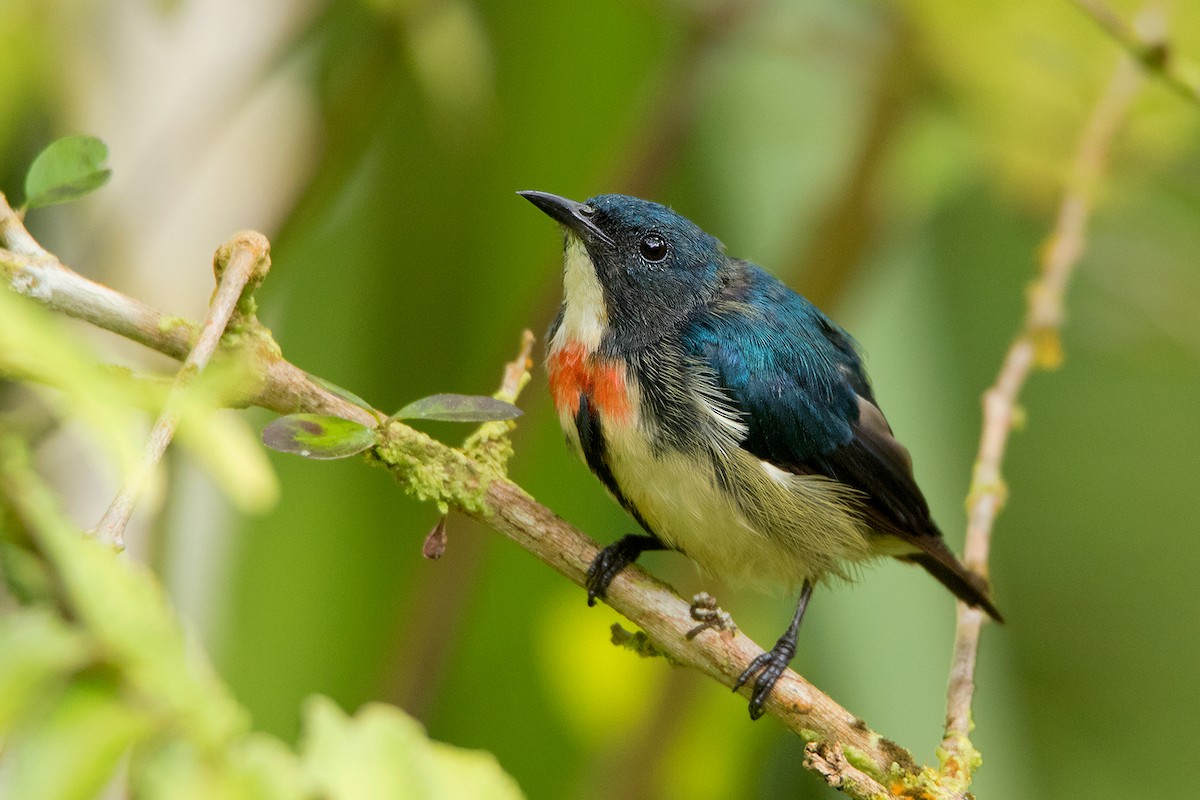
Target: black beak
(577,217)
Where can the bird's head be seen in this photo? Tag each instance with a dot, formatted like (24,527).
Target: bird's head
(638,266)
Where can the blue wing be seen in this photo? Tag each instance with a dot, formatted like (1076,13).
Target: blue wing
(798,384)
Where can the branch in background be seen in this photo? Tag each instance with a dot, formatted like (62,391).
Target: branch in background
(864,760)
(36,273)
(1146,42)
(1037,345)
(849,225)
(240,265)
(658,143)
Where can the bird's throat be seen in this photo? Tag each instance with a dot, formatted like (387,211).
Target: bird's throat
(585,315)
(576,369)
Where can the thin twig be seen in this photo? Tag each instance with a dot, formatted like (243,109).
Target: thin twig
(1037,345)
(516,372)
(490,443)
(243,259)
(1146,42)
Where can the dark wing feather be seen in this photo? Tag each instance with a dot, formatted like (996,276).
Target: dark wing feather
(874,462)
(799,386)
(793,383)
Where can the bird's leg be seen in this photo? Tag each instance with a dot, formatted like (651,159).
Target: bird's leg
(771,664)
(614,558)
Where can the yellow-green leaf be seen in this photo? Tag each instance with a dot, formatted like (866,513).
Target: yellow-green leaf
(125,610)
(38,651)
(256,767)
(66,170)
(383,753)
(459,408)
(71,752)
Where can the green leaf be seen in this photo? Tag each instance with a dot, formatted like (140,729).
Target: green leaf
(381,752)
(317,436)
(70,753)
(38,347)
(255,767)
(459,408)
(268,769)
(66,170)
(38,652)
(25,575)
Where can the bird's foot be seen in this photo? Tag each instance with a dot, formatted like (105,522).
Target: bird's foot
(768,667)
(609,562)
(704,610)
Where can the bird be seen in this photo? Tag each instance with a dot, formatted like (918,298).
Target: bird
(728,415)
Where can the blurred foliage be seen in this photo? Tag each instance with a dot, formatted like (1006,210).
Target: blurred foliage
(900,162)
(95,668)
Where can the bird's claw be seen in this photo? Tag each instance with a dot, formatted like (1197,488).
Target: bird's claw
(609,562)
(768,667)
(606,566)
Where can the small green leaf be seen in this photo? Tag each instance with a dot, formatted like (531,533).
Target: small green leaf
(66,170)
(317,436)
(459,408)
(345,394)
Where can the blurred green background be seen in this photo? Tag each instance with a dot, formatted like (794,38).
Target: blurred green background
(898,162)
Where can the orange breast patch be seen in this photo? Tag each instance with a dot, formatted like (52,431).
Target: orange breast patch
(573,372)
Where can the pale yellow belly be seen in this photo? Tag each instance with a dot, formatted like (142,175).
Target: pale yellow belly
(779,530)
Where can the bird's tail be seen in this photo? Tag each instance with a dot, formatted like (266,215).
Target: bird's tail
(967,586)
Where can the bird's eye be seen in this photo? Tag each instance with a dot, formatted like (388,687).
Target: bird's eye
(653,248)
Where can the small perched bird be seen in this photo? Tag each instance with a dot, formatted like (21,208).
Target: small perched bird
(729,416)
